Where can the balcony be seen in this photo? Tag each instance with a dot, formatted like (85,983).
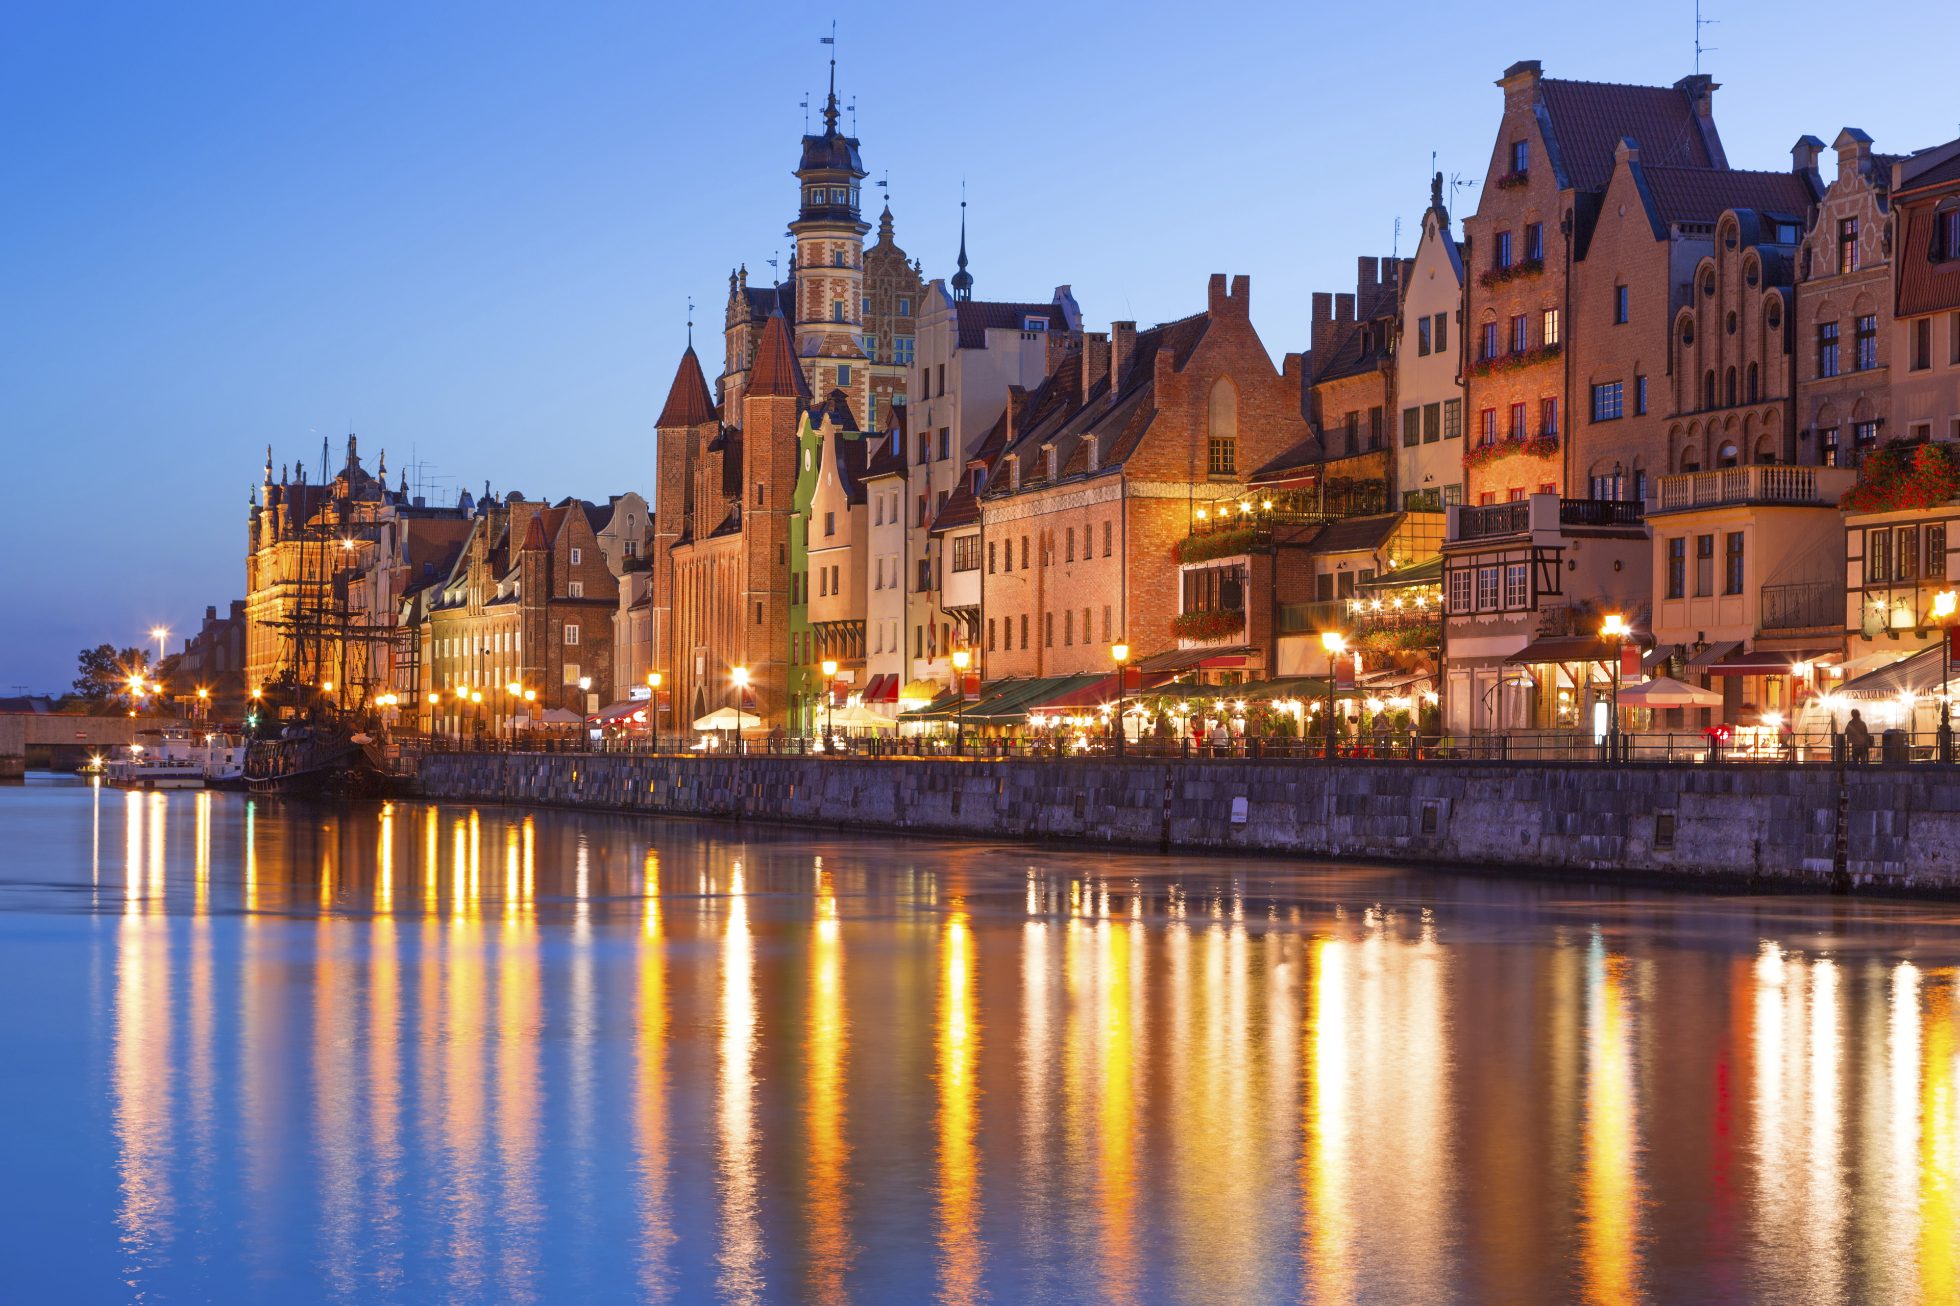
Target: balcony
(1819,487)
(1541,512)
(1804,605)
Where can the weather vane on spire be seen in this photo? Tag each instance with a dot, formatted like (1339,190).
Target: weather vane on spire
(690,321)
(830,104)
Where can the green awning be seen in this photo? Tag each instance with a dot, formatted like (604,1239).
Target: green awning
(1418,574)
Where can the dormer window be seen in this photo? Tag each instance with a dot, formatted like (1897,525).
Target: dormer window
(1033,323)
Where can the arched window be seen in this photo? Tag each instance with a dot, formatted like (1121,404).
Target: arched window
(1754,379)
(1690,459)
(1728,457)
(1222,436)
(1708,388)
(1729,387)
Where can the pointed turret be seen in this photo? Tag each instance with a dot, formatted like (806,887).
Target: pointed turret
(776,370)
(962,280)
(688,401)
(534,538)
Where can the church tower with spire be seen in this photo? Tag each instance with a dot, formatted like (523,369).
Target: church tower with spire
(829,231)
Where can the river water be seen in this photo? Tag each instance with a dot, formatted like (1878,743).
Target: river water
(259,1050)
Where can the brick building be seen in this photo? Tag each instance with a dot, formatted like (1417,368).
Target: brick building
(1925,374)
(1842,320)
(530,602)
(1104,468)
(1428,384)
(1553,158)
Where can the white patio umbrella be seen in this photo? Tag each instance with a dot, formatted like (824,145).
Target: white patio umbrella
(726,718)
(854,717)
(1664,691)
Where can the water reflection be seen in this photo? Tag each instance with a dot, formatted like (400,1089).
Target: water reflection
(425,1051)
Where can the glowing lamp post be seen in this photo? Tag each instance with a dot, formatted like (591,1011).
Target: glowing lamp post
(1615,629)
(829,693)
(1944,604)
(962,659)
(739,677)
(1119,653)
(1336,644)
(653,703)
(161,635)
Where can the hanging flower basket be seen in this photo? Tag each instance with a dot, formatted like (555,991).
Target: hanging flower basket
(1514,180)
(1529,267)
(1904,476)
(1482,455)
(1219,623)
(1517,360)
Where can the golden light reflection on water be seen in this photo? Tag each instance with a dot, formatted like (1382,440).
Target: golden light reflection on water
(1192,1093)
(1609,1184)
(827,1208)
(739,1276)
(957,1055)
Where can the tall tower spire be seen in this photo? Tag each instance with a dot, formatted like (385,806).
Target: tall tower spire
(962,280)
(830,104)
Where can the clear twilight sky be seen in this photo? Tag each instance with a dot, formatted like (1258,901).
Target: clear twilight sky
(468,232)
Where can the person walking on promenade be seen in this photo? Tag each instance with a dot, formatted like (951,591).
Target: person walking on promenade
(1858,738)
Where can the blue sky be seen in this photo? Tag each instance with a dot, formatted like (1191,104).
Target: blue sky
(468,232)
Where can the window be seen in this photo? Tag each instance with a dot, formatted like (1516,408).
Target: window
(571,673)
(1353,431)
(1548,416)
(1024,630)
(990,557)
(902,347)
(1487,426)
(1442,332)
(1375,415)
(1606,401)
(1708,388)
(966,553)
(1517,588)
(1432,423)
(1732,563)
(1520,334)
(1411,427)
(1534,241)
(1922,343)
(1619,306)
(1105,634)
(1704,565)
(1452,419)
(1827,447)
(1032,323)
(1221,444)
(1520,156)
(1946,234)
(991,644)
(1070,554)
(837,310)
(1048,630)
(1502,251)
(571,634)
(575,589)
(869,345)
(1548,327)
(1108,536)
(1847,245)
(578,555)
(843,375)
(1754,388)
(1024,554)
(1864,436)
(1517,429)
(1827,349)
(1864,342)
(1460,582)
(1068,628)
(1487,593)
(1487,347)
(830,523)
(1422,337)
(1936,551)
(1639,394)
(942,378)
(1878,555)
(1905,553)
(904,306)
(945,442)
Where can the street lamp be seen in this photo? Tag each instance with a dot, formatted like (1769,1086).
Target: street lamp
(476,697)
(1615,629)
(1336,644)
(739,677)
(1944,604)
(1119,653)
(161,635)
(829,697)
(203,702)
(653,704)
(962,659)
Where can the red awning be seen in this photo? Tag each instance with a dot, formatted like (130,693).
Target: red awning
(1093,694)
(882,689)
(1565,648)
(633,710)
(1194,659)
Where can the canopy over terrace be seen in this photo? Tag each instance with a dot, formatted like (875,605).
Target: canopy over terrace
(1004,702)
(1917,675)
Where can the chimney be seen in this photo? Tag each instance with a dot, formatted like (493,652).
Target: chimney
(1095,360)
(1803,159)
(1122,344)
(1520,80)
(1344,308)
(1017,400)
(1700,89)
(1854,152)
(1323,317)
(1057,346)
(1215,293)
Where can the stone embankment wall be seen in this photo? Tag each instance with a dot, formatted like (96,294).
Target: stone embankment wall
(1734,823)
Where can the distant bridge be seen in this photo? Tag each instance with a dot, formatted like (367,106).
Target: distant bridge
(62,741)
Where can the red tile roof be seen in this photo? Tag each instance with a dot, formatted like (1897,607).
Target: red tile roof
(1587,120)
(688,401)
(977,316)
(776,370)
(1702,194)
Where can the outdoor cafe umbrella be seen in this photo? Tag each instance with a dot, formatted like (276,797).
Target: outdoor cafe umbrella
(854,717)
(1663,691)
(726,718)
(558,716)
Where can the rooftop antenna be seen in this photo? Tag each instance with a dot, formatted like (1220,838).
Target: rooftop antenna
(804,104)
(1395,245)
(853,108)
(690,321)
(1457,183)
(1700,23)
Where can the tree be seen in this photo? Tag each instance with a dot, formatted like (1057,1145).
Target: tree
(106,672)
